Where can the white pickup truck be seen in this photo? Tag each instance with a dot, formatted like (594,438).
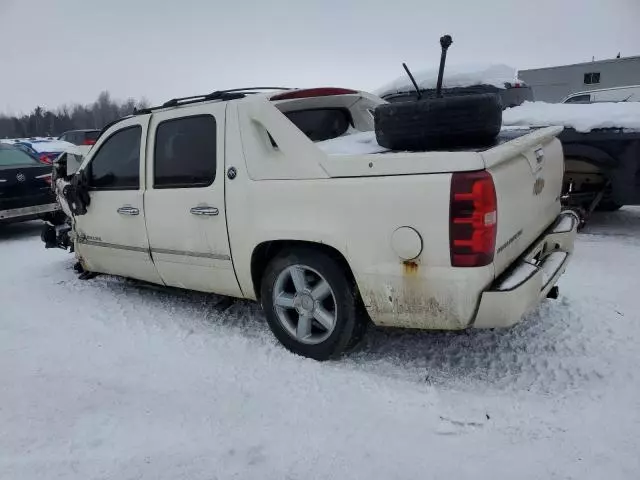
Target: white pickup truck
(234,193)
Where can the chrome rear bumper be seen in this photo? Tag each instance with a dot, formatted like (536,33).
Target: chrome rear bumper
(530,278)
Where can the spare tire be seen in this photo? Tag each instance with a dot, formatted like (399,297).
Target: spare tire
(448,122)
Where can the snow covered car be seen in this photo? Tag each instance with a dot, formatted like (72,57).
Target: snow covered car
(601,143)
(44,150)
(25,187)
(287,199)
(500,80)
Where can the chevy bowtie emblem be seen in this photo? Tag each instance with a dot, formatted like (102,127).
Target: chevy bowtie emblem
(20,177)
(538,186)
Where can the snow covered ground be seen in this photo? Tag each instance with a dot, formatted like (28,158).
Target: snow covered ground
(108,379)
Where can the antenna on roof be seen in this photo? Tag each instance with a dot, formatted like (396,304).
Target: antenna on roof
(413,80)
(445,43)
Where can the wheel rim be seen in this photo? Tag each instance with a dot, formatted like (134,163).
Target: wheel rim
(304,304)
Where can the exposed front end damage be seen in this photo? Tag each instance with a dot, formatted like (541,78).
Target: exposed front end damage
(72,196)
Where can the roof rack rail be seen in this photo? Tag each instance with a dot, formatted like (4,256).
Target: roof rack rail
(231,94)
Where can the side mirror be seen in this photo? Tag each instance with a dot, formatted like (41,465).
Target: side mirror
(73,163)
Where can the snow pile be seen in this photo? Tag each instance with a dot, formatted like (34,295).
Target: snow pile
(352,143)
(454,76)
(581,117)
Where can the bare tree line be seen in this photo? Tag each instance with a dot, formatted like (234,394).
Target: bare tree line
(44,123)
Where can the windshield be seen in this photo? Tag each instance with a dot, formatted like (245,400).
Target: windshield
(10,156)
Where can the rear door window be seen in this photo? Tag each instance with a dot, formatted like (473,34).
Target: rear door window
(322,123)
(116,166)
(185,153)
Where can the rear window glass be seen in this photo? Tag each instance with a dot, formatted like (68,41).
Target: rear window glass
(322,123)
(12,156)
(579,99)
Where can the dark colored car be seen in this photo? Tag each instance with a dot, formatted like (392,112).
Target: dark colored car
(25,187)
(602,169)
(80,137)
(512,95)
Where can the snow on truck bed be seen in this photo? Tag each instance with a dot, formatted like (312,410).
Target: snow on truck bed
(581,117)
(352,143)
(454,76)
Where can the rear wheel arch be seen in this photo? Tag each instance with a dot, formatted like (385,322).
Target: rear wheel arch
(264,252)
(589,154)
(272,260)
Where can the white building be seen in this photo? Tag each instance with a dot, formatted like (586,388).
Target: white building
(552,84)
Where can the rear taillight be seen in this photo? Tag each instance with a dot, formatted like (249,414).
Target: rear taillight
(45,159)
(88,141)
(473,219)
(46,177)
(313,92)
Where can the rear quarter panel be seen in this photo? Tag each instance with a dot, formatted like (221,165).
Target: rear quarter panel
(357,217)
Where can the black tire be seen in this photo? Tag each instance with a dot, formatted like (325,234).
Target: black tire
(448,122)
(347,324)
(361,328)
(55,218)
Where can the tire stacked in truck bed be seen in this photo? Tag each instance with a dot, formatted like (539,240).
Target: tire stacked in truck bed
(439,123)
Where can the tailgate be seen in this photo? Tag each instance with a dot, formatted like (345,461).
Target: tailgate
(527,173)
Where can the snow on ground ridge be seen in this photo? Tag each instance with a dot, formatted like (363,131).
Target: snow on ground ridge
(137,381)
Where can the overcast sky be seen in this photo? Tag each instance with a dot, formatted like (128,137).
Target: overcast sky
(65,51)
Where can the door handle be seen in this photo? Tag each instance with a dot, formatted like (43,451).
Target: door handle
(128,211)
(208,211)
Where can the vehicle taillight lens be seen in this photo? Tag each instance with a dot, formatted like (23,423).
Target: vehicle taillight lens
(473,219)
(47,177)
(88,141)
(45,159)
(313,92)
